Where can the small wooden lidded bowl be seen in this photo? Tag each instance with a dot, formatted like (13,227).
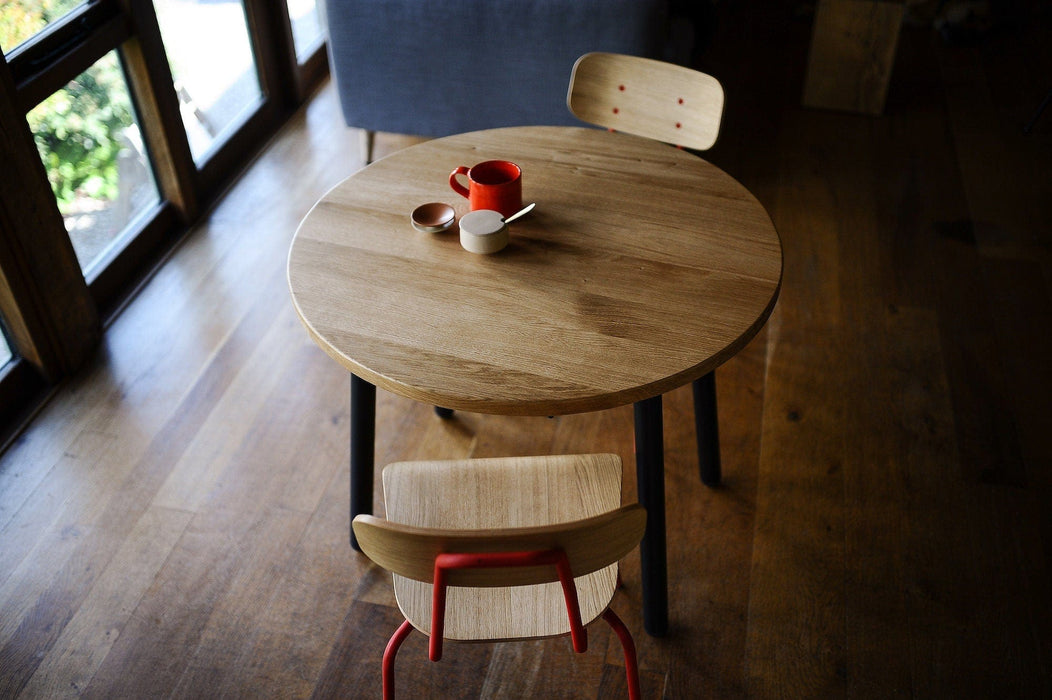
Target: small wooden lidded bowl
(483,231)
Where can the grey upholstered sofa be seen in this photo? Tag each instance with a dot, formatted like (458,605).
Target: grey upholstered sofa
(438,67)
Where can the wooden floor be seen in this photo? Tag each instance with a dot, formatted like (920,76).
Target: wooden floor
(174,522)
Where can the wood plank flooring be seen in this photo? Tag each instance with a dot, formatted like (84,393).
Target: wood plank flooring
(174,523)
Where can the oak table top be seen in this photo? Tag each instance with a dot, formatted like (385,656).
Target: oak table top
(642,268)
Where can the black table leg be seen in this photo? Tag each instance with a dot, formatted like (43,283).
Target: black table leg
(706,427)
(363,437)
(650,481)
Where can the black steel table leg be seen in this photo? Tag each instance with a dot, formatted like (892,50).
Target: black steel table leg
(706,427)
(650,481)
(363,437)
(443,412)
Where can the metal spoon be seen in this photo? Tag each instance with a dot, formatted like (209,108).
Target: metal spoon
(522,212)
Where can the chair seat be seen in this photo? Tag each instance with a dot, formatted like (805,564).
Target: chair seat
(503,493)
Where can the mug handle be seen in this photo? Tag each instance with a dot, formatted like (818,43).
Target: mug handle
(455,184)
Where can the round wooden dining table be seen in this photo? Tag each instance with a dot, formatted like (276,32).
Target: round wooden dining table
(642,268)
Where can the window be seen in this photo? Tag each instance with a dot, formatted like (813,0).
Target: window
(123,122)
(5,350)
(213,67)
(306,27)
(92,147)
(22,19)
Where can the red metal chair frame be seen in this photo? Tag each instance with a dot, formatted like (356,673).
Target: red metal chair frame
(485,560)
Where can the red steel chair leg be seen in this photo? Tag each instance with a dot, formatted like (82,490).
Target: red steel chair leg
(389,658)
(474,560)
(631,667)
(463,560)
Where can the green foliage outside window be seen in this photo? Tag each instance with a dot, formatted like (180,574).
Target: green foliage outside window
(75,129)
(76,132)
(21,19)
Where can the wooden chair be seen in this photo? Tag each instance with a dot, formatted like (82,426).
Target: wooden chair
(503,549)
(664,102)
(641,96)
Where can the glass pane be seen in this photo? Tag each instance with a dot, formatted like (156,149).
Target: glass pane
(93,151)
(5,350)
(212,63)
(306,27)
(21,19)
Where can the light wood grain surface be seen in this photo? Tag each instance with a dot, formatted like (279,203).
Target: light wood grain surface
(641,96)
(589,544)
(501,493)
(641,269)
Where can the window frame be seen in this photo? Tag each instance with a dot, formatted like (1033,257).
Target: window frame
(54,315)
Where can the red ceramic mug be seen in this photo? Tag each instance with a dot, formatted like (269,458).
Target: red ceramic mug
(492,184)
